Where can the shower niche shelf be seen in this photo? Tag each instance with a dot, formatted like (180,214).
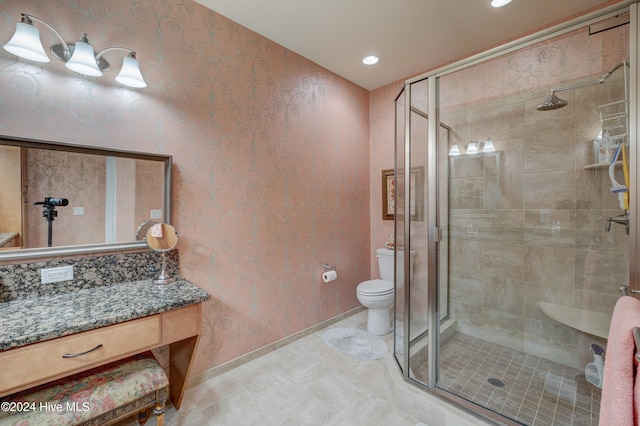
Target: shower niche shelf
(591,322)
(601,166)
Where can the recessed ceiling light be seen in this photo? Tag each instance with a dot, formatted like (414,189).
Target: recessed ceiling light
(499,3)
(370,60)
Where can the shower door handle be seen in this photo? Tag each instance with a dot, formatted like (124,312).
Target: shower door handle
(437,234)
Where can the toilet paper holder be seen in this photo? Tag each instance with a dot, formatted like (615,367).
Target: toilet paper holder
(327,267)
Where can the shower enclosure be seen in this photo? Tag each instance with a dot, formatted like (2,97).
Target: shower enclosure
(517,212)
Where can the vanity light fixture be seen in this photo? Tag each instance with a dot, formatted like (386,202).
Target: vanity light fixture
(370,60)
(79,57)
(473,148)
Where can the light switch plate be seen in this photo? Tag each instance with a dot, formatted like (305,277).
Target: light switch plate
(54,275)
(155,214)
(78,211)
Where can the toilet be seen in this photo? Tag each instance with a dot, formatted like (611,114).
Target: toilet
(377,294)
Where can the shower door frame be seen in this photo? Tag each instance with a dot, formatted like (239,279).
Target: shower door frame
(634,152)
(432,214)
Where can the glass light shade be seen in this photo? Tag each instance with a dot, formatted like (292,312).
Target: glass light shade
(488,146)
(454,151)
(26,43)
(130,74)
(472,148)
(83,60)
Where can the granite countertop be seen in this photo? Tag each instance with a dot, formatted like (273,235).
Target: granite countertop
(33,320)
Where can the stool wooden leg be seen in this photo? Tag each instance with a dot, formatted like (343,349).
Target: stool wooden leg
(161,399)
(143,416)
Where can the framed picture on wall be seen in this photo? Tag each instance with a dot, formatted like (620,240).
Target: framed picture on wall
(416,194)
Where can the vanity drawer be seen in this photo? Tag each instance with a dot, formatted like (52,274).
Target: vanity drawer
(38,363)
(181,323)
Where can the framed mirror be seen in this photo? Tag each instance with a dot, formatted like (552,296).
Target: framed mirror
(61,199)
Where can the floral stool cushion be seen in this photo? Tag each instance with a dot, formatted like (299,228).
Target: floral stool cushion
(93,397)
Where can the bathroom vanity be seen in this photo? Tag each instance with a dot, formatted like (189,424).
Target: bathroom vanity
(108,308)
(48,337)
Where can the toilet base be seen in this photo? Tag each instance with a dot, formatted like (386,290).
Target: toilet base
(379,321)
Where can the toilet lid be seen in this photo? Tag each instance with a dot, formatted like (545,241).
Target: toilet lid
(375,287)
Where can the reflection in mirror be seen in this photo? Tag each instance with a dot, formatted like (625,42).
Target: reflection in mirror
(162,237)
(109,193)
(141,233)
(10,197)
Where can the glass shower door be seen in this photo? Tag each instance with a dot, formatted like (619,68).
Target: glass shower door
(412,233)
(510,243)
(399,225)
(533,270)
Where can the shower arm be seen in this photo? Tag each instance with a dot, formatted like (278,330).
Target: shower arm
(600,81)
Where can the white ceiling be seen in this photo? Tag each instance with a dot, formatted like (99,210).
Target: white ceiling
(409,36)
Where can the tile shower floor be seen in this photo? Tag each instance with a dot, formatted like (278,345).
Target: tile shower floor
(530,389)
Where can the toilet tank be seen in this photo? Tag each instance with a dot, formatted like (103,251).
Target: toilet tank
(386,266)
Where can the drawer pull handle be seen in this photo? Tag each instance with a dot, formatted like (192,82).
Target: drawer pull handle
(82,353)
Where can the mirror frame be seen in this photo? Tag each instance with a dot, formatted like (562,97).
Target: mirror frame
(39,252)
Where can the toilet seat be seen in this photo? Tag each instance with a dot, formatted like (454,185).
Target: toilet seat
(375,287)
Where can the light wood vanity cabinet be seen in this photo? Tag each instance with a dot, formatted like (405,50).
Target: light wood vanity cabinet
(32,364)
(38,363)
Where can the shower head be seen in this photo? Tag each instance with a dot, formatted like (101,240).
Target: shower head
(554,102)
(551,103)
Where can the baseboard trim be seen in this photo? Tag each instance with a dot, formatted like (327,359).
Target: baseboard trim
(250,356)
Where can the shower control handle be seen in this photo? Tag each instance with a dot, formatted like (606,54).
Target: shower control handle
(622,219)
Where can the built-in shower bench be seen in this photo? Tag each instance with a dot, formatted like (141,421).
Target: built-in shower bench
(591,322)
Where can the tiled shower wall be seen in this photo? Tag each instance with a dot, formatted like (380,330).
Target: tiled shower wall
(527,224)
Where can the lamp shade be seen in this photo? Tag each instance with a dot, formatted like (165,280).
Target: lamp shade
(472,148)
(83,60)
(454,151)
(130,74)
(488,146)
(26,43)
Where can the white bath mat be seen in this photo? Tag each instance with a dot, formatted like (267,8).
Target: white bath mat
(356,343)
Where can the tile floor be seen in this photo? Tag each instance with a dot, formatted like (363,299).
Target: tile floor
(302,383)
(308,383)
(536,391)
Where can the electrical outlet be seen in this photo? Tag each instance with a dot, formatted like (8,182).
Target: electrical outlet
(78,211)
(54,275)
(155,214)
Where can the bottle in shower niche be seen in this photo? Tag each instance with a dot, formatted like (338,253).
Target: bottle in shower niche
(594,370)
(605,147)
(603,150)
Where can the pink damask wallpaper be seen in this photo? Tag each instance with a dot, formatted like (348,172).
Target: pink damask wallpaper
(80,178)
(382,136)
(271,155)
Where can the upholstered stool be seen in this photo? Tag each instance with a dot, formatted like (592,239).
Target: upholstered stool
(95,397)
